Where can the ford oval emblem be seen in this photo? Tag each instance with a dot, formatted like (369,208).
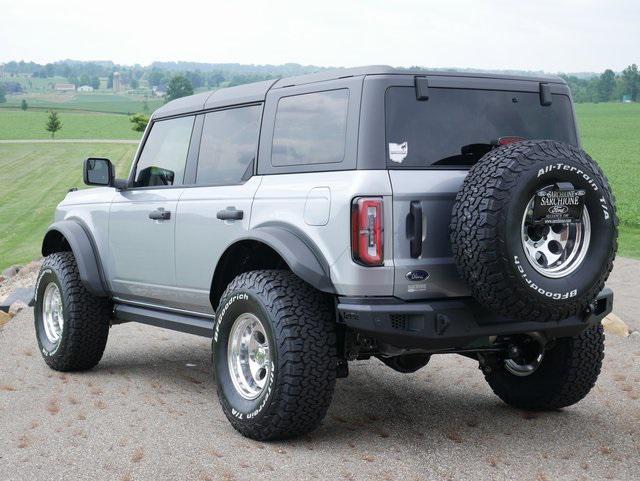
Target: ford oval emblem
(558,209)
(417,276)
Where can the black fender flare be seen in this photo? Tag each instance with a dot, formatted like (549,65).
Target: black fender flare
(298,252)
(83,247)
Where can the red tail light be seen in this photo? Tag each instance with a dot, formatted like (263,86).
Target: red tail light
(367,231)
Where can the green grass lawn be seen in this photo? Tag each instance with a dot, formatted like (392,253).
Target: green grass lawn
(33,179)
(611,135)
(89,102)
(16,124)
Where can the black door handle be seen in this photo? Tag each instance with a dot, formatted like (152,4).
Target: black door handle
(230,213)
(414,228)
(160,214)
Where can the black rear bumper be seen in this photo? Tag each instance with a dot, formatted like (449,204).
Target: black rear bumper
(452,324)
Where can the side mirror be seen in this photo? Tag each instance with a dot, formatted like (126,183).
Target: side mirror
(98,171)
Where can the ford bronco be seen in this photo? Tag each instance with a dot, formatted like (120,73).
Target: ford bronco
(306,222)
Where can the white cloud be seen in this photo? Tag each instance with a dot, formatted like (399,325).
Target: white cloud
(568,35)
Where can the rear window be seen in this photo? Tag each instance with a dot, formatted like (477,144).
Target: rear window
(455,127)
(310,128)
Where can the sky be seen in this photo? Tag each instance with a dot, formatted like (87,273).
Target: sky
(553,36)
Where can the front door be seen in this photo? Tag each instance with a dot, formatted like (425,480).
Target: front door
(142,219)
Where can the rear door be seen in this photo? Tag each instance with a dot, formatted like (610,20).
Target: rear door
(430,145)
(216,210)
(142,218)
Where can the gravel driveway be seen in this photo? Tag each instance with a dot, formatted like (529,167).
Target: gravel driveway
(149,411)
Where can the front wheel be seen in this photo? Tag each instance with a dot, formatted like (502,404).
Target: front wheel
(557,378)
(274,354)
(72,325)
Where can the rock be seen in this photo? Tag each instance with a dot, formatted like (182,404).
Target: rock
(4,318)
(9,272)
(1,279)
(32,267)
(17,307)
(24,294)
(614,325)
(635,334)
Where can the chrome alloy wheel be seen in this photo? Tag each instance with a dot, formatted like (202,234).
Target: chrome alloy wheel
(248,356)
(52,313)
(555,250)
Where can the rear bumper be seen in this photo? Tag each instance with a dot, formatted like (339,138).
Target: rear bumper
(451,324)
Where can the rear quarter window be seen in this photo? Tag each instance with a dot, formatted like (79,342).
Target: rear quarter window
(455,127)
(310,128)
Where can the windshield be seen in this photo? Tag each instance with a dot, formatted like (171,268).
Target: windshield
(456,127)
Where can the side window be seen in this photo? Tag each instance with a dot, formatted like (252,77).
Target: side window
(228,146)
(310,128)
(164,155)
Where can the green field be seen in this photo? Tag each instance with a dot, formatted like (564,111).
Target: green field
(611,135)
(35,177)
(85,102)
(16,124)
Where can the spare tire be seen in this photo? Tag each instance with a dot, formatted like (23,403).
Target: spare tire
(522,267)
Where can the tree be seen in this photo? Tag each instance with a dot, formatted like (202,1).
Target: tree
(85,80)
(179,86)
(155,78)
(24,105)
(95,82)
(215,79)
(139,122)
(196,78)
(53,123)
(632,81)
(134,84)
(605,85)
(3,97)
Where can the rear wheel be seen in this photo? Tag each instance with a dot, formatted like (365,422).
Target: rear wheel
(274,353)
(550,379)
(72,325)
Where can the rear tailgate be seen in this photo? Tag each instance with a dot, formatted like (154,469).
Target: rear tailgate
(436,129)
(433,192)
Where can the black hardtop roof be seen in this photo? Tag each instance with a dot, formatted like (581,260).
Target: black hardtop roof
(257,91)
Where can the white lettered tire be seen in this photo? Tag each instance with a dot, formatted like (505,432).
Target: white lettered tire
(495,244)
(274,354)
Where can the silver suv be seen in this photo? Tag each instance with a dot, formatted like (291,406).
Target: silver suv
(306,222)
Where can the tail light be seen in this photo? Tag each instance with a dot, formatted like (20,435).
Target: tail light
(367,231)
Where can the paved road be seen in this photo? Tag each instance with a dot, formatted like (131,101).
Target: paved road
(624,280)
(149,411)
